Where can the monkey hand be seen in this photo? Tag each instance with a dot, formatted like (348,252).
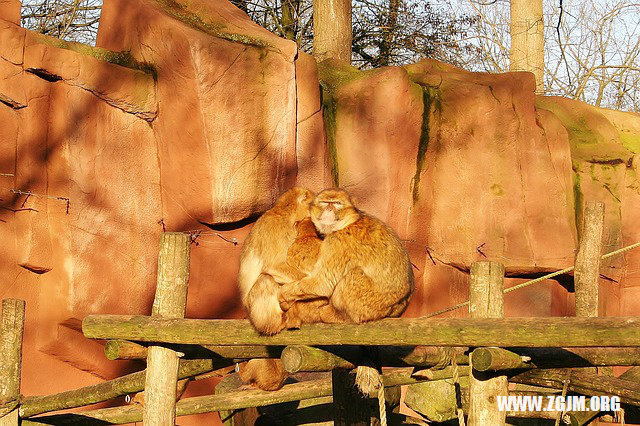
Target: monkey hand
(286,296)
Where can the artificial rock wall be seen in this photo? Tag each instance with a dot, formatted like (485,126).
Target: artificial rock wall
(189,117)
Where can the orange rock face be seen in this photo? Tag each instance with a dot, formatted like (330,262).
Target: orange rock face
(189,117)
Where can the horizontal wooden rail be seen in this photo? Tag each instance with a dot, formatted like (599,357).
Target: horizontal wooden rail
(123,349)
(496,359)
(507,332)
(583,383)
(210,403)
(104,391)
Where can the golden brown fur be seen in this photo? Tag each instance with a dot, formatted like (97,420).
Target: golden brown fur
(266,374)
(263,261)
(362,268)
(272,241)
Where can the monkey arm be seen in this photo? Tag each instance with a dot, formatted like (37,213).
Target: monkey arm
(284,273)
(306,289)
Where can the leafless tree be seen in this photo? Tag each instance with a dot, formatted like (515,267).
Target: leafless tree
(592,49)
(75,20)
(385,32)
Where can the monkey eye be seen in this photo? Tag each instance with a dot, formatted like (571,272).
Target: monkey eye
(338,204)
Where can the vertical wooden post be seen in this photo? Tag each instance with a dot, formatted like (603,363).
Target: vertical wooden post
(350,407)
(170,302)
(587,264)
(486,301)
(586,274)
(11,331)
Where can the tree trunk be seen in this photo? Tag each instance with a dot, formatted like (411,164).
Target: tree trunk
(332,29)
(388,33)
(527,39)
(290,18)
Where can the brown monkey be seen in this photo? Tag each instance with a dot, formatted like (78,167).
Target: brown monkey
(263,261)
(362,268)
(268,374)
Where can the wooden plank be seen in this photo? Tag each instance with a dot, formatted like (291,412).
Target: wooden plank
(501,332)
(486,301)
(170,302)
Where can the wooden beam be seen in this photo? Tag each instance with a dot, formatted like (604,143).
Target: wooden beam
(93,394)
(496,359)
(587,270)
(586,384)
(486,301)
(211,403)
(297,358)
(11,332)
(507,332)
(170,302)
(123,349)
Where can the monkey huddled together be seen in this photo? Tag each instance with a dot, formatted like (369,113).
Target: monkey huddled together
(317,258)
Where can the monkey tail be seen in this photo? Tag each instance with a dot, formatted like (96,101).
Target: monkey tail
(263,306)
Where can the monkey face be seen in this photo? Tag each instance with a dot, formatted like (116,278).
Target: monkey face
(296,202)
(332,210)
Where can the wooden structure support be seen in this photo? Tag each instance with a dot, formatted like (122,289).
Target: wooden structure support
(507,332)
(584,383)
(587,269)
(170,302)
(486,301)
(123,349)
(104,391)
(297,358)
(11,332)
(205,404)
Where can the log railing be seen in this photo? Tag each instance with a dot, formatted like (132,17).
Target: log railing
(546,353)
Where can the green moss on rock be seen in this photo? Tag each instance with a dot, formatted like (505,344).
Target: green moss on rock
(181,13)
(578,199)
(122,58)
(591,135)
(431,101)
(329,114)
(333,74)
(630,140)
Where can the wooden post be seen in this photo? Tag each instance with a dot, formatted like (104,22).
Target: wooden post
(587,272)
(170,302)
(11,331)
(350,407)
(486,301)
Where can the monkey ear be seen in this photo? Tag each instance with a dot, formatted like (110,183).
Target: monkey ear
(305,196)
